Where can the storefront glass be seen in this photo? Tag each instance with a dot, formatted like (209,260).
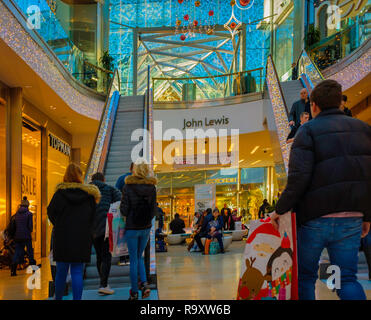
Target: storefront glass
(31,179)
(175,192)
(2,165)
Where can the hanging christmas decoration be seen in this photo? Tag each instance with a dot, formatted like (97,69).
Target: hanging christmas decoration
(244,4)
(233,24)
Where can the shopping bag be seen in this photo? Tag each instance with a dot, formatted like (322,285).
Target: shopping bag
(214,247)
(269,268)
(207,245)
(115,231)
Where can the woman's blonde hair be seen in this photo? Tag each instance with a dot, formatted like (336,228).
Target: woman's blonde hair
(73,173)
(141,170)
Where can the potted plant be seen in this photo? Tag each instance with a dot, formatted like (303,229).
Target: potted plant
(313,36)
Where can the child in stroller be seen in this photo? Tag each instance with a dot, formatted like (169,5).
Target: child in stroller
(7,251)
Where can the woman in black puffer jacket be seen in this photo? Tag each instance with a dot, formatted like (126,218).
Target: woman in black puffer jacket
(138,206)
(71,211)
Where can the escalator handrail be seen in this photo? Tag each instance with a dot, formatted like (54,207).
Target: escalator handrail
(311,61)
(110,95)
(279,82)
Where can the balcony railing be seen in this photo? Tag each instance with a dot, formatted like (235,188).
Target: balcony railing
(44,22)
(207,88)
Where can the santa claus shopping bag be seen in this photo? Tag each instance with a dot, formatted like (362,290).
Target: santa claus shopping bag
(115,227)
(269,268)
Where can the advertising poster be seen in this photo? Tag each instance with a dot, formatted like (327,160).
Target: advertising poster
(269,268)
(205,195)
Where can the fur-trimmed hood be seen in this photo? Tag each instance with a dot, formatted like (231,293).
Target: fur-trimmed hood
(90,189)
(139,180)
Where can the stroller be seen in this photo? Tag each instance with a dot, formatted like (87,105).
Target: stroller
(7,251)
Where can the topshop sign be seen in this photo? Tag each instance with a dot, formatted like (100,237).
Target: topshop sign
(59,145)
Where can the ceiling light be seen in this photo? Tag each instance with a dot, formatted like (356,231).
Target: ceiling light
(255,162)
(254,150)
(27,87)
(241,160)
(69,122)
(52,107)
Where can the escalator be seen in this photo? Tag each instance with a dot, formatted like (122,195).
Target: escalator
(112,156)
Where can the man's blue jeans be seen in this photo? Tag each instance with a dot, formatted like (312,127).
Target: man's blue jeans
(77,279)
(342,238)
(137,242)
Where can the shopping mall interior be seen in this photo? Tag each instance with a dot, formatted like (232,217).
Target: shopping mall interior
(78,77)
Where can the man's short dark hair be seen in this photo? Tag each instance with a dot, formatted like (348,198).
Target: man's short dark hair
(327,94)
(345,98)
(97,176)
(304,114)
(176,215)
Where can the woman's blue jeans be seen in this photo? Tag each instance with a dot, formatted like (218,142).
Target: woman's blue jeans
(77,279)
(342,238)
(137,241)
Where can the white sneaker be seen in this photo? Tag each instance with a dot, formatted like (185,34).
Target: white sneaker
(106,290)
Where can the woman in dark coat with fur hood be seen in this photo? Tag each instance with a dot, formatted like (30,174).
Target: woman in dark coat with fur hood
(138,206)
(71,211)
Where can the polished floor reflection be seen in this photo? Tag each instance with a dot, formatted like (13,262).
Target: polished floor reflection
(181,276)
(192,276)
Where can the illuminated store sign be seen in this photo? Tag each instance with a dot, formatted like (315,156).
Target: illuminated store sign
(206,122)
(59,145)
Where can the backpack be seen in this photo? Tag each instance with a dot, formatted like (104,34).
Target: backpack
(143,211)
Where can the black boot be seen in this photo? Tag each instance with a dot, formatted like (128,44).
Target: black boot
(133,296)
(13,269)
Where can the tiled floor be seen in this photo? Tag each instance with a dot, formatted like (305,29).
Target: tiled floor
(181,275)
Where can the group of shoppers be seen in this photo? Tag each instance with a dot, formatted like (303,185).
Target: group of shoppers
(78,213)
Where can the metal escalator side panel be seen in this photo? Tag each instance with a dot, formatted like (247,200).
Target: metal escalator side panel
(101,147)
(279,110)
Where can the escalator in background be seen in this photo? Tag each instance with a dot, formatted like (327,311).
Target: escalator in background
(111,155)
(282,95)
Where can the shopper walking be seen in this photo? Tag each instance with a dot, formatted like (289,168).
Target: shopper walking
(22,226)
(343,107)
(262,209)
(329,188)
(71,211)
(109,195)
(138,207)
(124,260)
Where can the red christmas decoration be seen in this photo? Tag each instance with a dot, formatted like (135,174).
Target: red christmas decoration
(233,25)
(197,3)
(182,37)
(180,1)
(211,13)
(244,3)
(186,17)
(195,23)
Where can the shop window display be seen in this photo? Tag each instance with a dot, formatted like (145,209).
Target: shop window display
(2,165)
(31,179)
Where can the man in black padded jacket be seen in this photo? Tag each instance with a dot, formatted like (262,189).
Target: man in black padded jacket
(329,189)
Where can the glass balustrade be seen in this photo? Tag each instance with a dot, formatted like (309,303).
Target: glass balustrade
(55,36)
(207,88)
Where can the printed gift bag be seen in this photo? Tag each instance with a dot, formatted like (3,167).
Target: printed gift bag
(269,268)
(115,227)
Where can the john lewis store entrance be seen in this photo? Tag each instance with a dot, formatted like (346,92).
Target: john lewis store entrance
(240,188)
